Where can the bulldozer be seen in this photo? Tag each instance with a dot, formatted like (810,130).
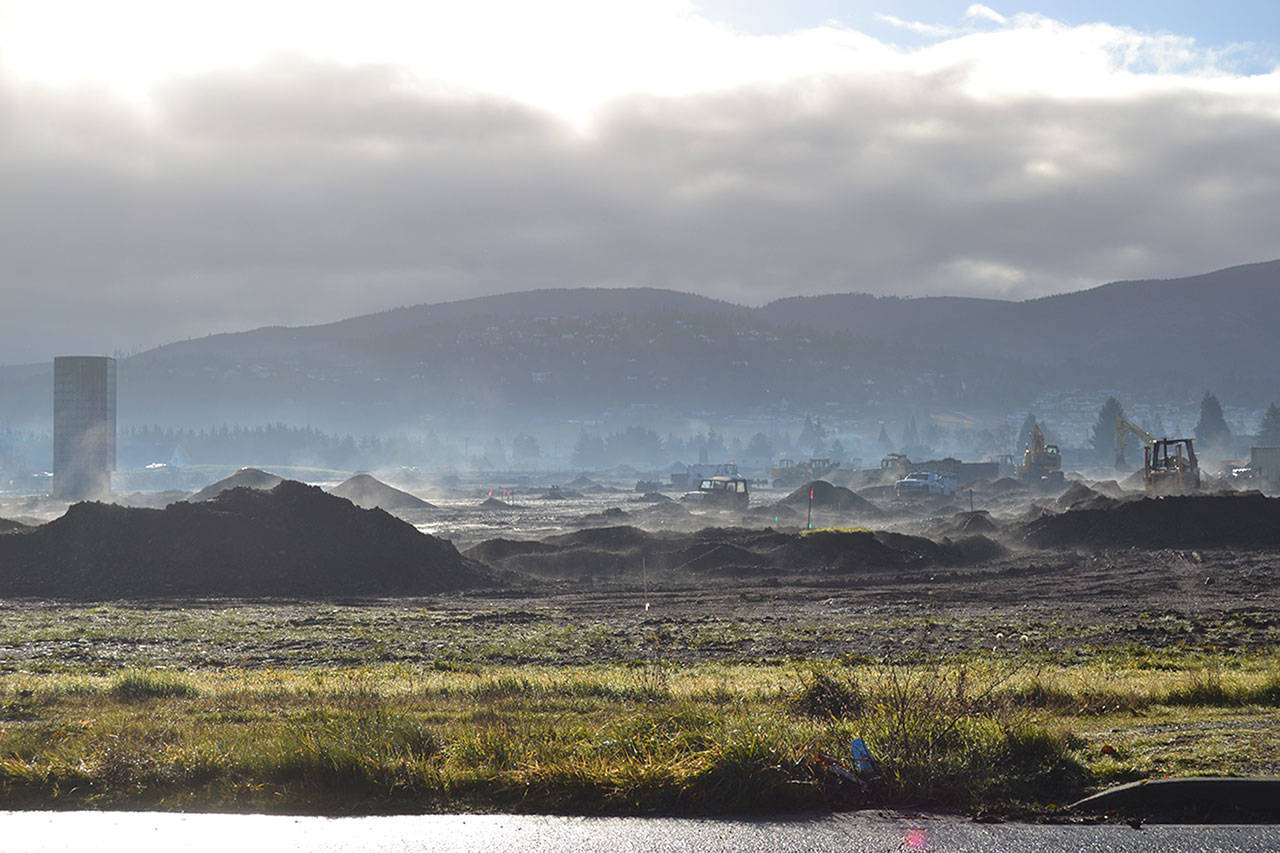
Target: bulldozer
(1166,468)
(1168,464)
(1041,462)
(789,473)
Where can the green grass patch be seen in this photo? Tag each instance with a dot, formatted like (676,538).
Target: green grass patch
(138,686)
(455,725)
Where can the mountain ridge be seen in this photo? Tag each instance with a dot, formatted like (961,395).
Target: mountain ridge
(571,353)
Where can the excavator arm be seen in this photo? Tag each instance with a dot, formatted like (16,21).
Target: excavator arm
(1123,428)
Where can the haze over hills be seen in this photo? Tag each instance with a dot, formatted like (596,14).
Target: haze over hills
(573,354)
(1204,324)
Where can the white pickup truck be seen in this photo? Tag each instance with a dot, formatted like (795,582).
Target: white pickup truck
(919,483)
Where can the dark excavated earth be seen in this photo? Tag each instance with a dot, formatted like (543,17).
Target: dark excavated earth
(291,540)
(626,552)
(1234,520)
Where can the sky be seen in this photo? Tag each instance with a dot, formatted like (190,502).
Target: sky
(173,170)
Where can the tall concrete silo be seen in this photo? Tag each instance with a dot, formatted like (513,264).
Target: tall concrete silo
(84,426)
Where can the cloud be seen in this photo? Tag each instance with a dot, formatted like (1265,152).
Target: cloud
(918,27)
(985,13)
(301,187)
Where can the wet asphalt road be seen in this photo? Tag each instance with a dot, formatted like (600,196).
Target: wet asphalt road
(142,832)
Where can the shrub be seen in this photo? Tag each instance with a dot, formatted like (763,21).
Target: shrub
(138,686)
(823,694)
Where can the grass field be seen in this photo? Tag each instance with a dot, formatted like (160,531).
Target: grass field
(164,707)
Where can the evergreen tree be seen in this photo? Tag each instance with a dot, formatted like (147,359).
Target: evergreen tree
(1103,439)
(933,435)
(886,443)
(837,451)
(589,451)
(634,445)
(759,450)
(910,436)
(524,448)
(1269,432)
(495,453)
(1212,428)
(813,437)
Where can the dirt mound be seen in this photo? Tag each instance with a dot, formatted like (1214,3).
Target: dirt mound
(249,478)
(618,552)
(492,550)
(1242,520)
(973,523)
(604,538)
(369,493)
(582,481)
(7,526)
(829,498)
(654,498)
(1077,493)
(840,551)
(664,509)
(292,540)
(717,558)
(772,513)
(555,493)
(1110,488)
(1135,482)
(877,493)
(1003,486)
(608,517)
(152,500)
(970,550)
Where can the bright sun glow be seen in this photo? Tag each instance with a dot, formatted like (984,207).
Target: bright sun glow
(570,55)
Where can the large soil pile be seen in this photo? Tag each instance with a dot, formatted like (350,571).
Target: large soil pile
(248,478)
(1243,520)
(1075,494)
(614,552)
(829,498)
(370,493)
(293,540)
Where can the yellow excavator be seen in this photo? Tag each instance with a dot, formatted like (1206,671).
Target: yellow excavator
(1168,464)
(1040,461)
(1123,428)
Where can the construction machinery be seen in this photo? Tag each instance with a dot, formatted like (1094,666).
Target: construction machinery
(721,492)
(790,473)
(895,466)
(1123,428)
(1168,464)
(1040,461)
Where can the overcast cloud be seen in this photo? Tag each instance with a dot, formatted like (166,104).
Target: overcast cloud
(307,168)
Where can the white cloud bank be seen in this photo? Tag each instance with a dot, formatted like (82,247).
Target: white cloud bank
(174,169)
